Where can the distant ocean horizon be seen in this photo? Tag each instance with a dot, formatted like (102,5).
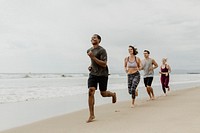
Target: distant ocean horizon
(71,74)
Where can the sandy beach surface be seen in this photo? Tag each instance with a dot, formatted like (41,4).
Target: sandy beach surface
(179,112)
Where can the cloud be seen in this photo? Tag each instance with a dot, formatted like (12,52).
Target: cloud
(53,36)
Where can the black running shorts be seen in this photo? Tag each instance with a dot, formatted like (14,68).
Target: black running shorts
(148,81)
(93,81)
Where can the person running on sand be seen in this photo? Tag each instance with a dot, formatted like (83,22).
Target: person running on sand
(132,65)
(149,65)
(98,74)
(164,71)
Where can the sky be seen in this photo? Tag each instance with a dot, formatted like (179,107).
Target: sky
(52,36)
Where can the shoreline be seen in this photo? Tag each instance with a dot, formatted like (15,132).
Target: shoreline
(177,112)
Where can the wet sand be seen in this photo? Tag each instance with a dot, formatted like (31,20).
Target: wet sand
(176,113)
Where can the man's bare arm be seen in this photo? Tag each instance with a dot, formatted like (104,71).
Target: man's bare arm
(155,64)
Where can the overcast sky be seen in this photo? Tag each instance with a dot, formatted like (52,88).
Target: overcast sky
(54,35)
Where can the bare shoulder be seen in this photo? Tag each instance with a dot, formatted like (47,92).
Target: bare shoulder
(126,59)
(167,66)
(138,59)
(153,60)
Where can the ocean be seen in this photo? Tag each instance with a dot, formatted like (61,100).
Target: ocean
(27,98)
(19,87)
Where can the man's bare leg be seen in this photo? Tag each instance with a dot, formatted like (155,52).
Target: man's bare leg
(91,101)
(109,94)
(152,93)
(149,92)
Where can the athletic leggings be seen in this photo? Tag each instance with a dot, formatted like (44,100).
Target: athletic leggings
(133,81)
(165,82)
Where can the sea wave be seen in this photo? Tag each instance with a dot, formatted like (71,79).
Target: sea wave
(23,87)
(50,75)
(40,75)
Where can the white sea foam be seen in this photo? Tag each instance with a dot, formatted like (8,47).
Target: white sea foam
(40,75)
(15,88)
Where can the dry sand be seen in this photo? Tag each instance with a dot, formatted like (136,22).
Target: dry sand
(179,112)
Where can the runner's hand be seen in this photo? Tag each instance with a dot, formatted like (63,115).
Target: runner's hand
(90,54)
(90,68)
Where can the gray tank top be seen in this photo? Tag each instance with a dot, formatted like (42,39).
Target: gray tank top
(147,63)
(131,64)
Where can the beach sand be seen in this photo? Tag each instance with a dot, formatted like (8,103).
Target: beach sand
(179,112)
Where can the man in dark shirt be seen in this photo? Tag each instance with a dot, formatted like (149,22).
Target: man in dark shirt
(98,74)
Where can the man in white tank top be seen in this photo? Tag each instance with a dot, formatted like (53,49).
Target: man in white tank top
(149,65)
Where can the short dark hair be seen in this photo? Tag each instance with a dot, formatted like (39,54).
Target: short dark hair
(147,51)
(98,36)
(135,51)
